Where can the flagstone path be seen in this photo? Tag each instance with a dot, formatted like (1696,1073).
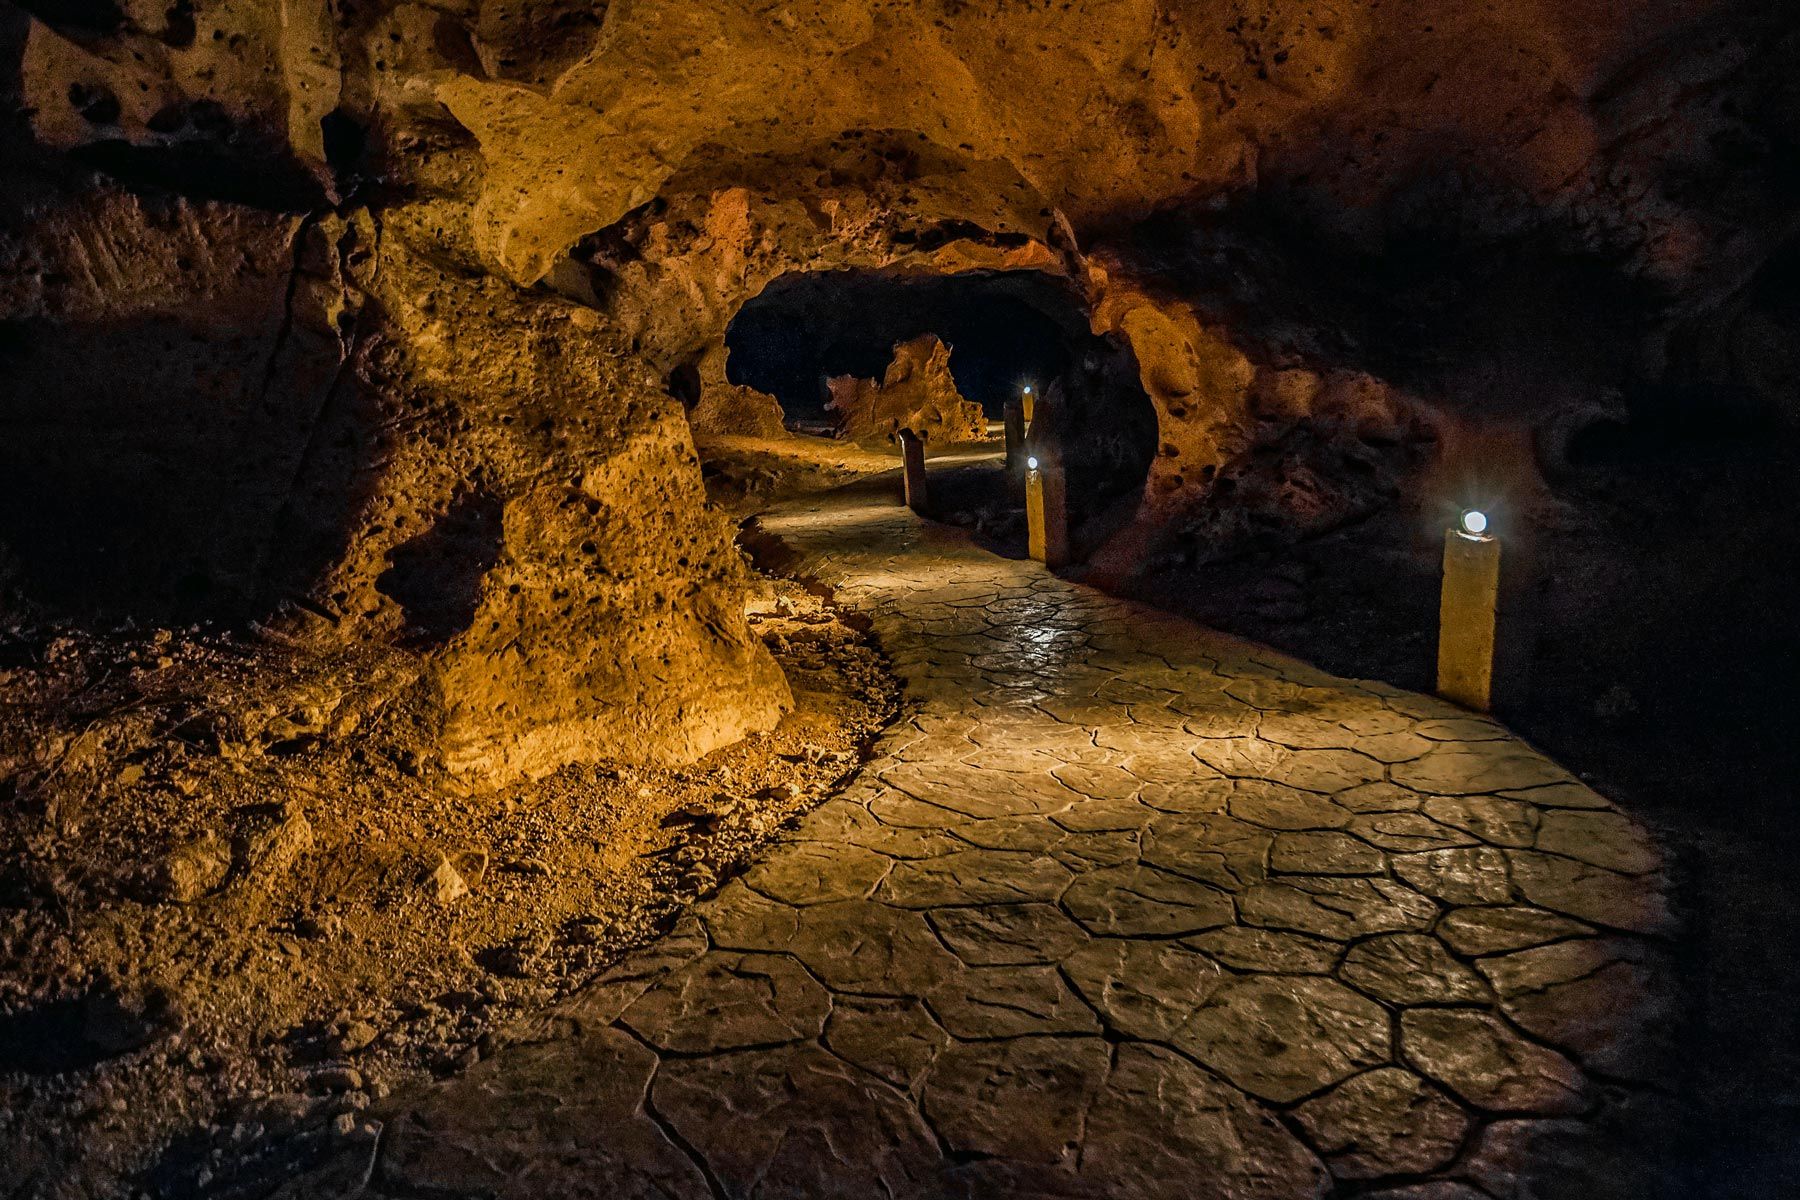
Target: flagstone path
(1123,908)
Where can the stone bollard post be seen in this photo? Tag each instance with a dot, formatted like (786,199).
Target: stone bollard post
(912,450)
(1468,614)
(1015,441)
(1046,512)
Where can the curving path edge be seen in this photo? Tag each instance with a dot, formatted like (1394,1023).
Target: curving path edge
(1123,908)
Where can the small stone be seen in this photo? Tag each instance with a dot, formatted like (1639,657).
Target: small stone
(446,882)
(190,871)
(706,813)
(354,1036)
(320,927)
(336,1079)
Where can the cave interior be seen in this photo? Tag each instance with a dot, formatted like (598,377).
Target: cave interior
(467,657)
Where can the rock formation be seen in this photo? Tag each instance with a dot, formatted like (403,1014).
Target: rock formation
(722,407)
(917,393)
(362,320)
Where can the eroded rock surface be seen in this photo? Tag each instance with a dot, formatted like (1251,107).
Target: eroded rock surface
(366,318)
(917,393)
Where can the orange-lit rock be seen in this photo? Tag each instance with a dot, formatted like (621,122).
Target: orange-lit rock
(916,393)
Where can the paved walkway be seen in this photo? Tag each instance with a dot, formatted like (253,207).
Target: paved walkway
(1126,908)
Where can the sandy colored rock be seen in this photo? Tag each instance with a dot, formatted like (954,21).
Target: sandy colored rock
(190,871)
(917,393)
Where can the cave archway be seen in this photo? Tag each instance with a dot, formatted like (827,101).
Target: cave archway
(1004,330)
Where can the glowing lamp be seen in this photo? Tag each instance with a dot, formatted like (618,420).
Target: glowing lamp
(1468,613)
(1031,464)
(1028,389)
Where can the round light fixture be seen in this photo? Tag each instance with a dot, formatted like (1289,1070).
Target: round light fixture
(1028,389)
(1474,522)
(1031,464)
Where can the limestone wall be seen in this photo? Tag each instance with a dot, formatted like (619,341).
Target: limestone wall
(362,319)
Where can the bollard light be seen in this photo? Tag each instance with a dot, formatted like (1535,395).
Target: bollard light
(1015,442)
(1046,514)
(912,451)
(1468,613)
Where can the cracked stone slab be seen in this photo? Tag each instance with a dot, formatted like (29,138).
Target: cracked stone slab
(973,877)
(1339,909)
(1162,1129)
(492,1130)
(817,874)
(1475,768)
(1217,849)
(863,947)
(1493,930)
(723,1001)
(1007,934)
(1608,1001)
(1589,893)
(1486,1063)
(1324,854)
(1408,832)
(1136,900)
(1244,948)
(1466,875)
(1114,890)
(1410,968)
(988,1002)
(893,1037)
(1384,1122)
(1495,821)
(796,1121)
(1143,989)
(1281,1038)
(1024,1099)
(1600,839)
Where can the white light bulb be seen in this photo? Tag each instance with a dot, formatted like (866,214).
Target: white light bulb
(1474,521)
(1028,390)
(1031,464)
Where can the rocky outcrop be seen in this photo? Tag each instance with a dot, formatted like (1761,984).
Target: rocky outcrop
(337,431)
(917,393)
(364,318)
(720,407)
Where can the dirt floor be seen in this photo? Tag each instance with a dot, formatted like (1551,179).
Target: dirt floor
(237,899)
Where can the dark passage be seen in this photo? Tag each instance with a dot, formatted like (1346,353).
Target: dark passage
(1004,330)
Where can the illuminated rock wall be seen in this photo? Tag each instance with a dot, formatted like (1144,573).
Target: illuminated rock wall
(362,318)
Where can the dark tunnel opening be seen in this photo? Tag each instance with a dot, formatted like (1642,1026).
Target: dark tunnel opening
(1005,331)
(809,327)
